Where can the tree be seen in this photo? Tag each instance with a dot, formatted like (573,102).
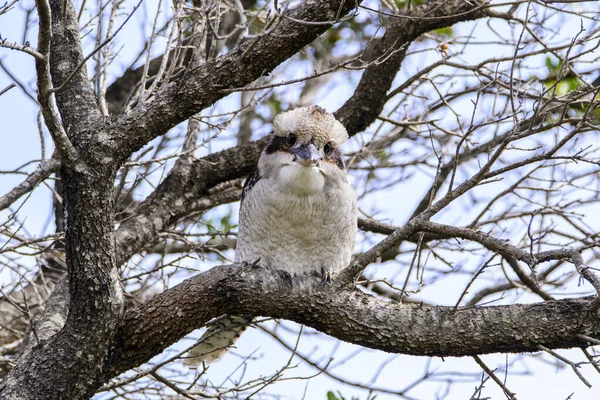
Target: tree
(480,120)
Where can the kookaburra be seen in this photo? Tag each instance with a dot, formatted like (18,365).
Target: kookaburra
(297,213)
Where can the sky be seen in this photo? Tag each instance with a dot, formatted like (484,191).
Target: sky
(21,144)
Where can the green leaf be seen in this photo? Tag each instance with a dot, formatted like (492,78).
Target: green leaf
(446,32)
(332,396)
(549,64)
(400,4)
(573,83)
(276,105)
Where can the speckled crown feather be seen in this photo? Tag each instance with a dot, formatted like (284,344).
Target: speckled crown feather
(312,122)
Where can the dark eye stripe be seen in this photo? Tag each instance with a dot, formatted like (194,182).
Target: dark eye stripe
(336,156)
(278,143)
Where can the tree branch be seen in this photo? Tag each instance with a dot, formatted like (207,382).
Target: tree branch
(349,315)
(44,82)
(77,104)
(45,169)
(370,96)
(203,86)
(181,192)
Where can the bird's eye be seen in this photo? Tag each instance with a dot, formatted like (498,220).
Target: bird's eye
(291,139)
(328,147)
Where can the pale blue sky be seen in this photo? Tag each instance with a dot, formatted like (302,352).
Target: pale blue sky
(21,143)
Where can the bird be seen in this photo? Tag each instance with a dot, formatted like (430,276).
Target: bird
(298,214)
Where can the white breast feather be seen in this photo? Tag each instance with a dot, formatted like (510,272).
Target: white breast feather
(299,222)
(301,180)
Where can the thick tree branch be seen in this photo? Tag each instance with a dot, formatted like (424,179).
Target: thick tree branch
(44,82)
(96,301)
(76,103)
(349,315)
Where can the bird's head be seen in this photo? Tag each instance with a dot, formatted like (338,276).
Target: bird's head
(304,151)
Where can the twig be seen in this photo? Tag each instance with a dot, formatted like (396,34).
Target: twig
(590,358)
(42,172)
(6,89)
(473,279)
(573,365)
(491,374)
(575,257)
(23,48)
(6,7)
(171,385)
(412,264)
(353,271)
(589,339)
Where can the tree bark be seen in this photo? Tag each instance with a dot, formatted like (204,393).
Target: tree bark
(351,316)
(70,364)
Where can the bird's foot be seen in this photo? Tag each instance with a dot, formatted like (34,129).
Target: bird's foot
(286,276)
(253,264)
(326,276)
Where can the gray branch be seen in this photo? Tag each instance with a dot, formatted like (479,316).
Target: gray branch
(351,316)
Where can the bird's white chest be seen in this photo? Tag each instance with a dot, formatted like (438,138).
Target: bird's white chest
(296,223)
(300,181)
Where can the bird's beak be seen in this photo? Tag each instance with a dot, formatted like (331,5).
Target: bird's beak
(307,154)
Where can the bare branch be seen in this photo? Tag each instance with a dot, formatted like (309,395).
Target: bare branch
(24,48)
(43,171)
(369,97)
(491,374)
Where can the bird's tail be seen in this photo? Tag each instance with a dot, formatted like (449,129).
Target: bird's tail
(217,339)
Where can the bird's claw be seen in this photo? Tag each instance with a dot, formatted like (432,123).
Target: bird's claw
(254,264)
(326,276)
(286,276)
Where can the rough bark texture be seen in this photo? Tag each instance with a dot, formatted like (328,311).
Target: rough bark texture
(76,101)
(96,303)
(350,315)
(95,298)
